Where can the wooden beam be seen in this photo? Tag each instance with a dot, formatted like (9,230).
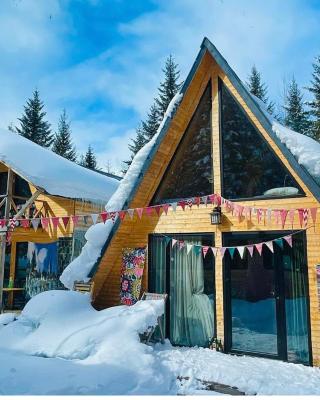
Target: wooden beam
(3,233)
(28,203)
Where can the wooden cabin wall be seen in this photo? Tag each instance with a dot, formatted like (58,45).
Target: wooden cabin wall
(135,233)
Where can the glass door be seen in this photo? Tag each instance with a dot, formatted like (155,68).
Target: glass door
(266,298)
(188,279)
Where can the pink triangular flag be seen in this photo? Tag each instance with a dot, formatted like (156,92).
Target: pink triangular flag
(3,223)
(182,204)
(313,212)
(55,221)
(35,223)
(148,211)
(25,223)
(291,216)
(122,215)
(104,216)
(212,198)
(44,222)
(288,239)
(283,215)
(250,250)
(197,201)
(65,221)
(259,247)
(269,244)
(158,210)
(165,208)
(205,250)
(75,219)
(300,213)
(139,212)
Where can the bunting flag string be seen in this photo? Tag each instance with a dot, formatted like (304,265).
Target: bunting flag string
(263,216)
(250,248)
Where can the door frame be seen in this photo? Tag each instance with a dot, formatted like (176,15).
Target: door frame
(168,264)
(280,304)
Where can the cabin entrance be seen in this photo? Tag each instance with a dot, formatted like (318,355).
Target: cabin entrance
(187,277)
(266,298)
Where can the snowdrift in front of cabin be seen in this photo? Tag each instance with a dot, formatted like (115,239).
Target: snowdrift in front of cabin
(98,234)
(62,325)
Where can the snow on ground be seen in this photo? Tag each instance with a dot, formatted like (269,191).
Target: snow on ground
(61,345)
(98,234)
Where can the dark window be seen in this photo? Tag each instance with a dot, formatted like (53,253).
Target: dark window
(250,167)
(3,182)
(190,171)
(21,187)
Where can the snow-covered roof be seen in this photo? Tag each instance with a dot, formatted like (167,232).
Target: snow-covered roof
(51,172)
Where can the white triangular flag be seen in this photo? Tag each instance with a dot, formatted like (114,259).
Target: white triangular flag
(130,211)
(189,247)
(241,250)
(94,218)
(35,223)
(174,206)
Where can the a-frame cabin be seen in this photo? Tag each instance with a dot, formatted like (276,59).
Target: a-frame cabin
(220,140)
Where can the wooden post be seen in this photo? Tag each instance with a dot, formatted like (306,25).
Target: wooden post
(3,234)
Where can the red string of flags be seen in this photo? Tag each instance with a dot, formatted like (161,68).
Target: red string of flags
(250,248)
(262,215)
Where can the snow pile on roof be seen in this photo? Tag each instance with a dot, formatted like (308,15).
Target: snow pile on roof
(305,149)
(94,351)
(98,234)
(56,175)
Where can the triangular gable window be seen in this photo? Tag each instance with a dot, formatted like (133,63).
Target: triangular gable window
(190,170)
(250,167)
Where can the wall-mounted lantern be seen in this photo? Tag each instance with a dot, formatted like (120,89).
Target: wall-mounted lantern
(216,216)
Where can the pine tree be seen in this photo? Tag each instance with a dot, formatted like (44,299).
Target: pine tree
(89,159)
(134,147)
(62,144)
(314,89)
(259,89)
(169,87)
(151,125)
(296,117)
(32,123)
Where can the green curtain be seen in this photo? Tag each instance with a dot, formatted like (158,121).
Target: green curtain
(191,312)
(296,303)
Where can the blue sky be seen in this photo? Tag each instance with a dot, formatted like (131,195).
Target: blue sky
(102,59)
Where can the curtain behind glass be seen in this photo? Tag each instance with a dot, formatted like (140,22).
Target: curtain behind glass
(296,303)
(191,313)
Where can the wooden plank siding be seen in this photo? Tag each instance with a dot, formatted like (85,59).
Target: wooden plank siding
(134,233)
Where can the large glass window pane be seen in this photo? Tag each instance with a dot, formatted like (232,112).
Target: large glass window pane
(250,167)
(253,302)
(190,171)
(188,279)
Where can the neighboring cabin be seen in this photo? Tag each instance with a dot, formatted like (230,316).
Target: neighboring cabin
(35,183)
(220,140)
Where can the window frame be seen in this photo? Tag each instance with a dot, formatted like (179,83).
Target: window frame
(299,195)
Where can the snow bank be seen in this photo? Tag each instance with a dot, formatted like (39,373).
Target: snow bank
(251,375)
(305,149)
(63,325)
(47,170)
(98,234)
